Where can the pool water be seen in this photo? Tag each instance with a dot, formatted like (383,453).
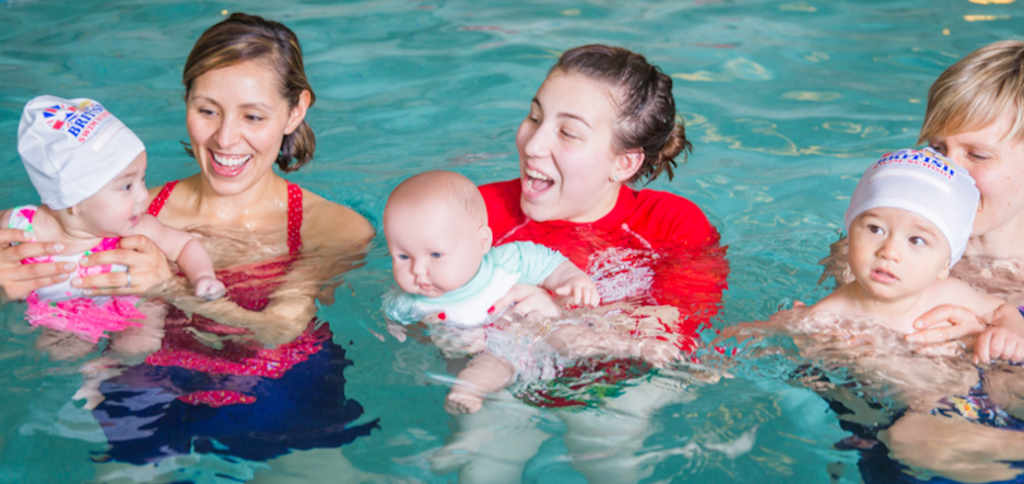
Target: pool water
(785,102)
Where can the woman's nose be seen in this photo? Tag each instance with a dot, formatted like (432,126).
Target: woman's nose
(538,143)
(227,133)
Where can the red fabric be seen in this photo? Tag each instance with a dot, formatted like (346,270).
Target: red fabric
(161,198)
(249,286)
(217,398)
(647,229)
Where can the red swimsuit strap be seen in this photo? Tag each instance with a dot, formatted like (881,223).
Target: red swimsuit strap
(161,199)
(294,212)
(294,219)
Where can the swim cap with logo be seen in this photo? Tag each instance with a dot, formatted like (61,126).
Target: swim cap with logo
(925,183)
(72,148)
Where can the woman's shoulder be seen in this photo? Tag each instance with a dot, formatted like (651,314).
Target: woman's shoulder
(325,220)
(503,209)
(667,216)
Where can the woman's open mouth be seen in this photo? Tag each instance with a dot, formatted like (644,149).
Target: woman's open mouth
(229,165)
(536,183)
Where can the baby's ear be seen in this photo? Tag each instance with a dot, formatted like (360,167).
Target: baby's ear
(486,238)
(945,272)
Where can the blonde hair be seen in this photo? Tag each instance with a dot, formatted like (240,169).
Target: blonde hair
(976,91)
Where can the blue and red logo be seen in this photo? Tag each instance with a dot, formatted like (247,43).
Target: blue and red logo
(57,116)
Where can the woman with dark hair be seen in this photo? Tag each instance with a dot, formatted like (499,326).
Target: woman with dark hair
(604,119)
(213,388)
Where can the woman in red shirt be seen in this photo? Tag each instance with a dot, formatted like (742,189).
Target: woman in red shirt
(604,119)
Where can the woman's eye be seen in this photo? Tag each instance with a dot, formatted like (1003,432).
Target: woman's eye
(436,255)
(253,117)
(875,229)
(533,119)
(568,135)
(402,257)
(918,241)
(206,112)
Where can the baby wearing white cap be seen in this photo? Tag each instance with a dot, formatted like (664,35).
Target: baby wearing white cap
(908,223)
(89,170)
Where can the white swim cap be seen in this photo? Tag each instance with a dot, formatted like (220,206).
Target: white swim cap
(72,148)
(925,183)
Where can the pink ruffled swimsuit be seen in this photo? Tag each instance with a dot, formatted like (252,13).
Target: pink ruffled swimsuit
(249,286)
(63,307)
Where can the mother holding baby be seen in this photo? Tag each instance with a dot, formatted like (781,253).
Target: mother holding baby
(222,391)
(603,120)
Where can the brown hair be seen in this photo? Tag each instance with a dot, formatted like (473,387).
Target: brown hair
(643,95)
(976,91)
(241,38)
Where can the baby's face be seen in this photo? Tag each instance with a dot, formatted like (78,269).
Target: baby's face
(432,253)
(896,254)
(114,211)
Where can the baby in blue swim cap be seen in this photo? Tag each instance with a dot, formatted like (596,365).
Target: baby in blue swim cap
(908,223)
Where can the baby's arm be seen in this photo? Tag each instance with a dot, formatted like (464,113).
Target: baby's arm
(579,341)
(190,255)
(567,279)
(487,373)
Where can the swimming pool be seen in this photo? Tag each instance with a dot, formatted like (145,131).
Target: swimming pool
(785,103)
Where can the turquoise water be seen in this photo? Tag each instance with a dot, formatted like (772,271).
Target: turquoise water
(785,103)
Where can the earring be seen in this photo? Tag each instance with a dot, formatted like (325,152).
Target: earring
(615,178)
(74,210)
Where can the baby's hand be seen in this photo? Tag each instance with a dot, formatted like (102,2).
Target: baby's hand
(209,288)
(582,290)
(461,400)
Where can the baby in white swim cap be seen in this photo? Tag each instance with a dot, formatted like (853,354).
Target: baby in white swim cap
(89,170)
(908,223)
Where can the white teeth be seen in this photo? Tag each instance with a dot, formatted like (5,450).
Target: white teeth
(231,160)
(538,175)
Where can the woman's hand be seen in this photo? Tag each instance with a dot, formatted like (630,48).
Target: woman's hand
(17,280)
(1002,339)
(527,299)
(147,267)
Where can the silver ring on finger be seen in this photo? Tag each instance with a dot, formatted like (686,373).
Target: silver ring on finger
(129,283)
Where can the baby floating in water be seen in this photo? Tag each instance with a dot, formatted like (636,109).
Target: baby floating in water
(908,223)
(436,228)
(89,170)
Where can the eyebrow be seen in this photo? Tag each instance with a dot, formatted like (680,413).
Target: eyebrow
(566,115)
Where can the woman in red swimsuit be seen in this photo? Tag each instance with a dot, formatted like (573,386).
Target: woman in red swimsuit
(603,120)
(212,388)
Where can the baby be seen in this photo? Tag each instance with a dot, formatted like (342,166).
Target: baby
(436,228)
(908,224)
(89,170)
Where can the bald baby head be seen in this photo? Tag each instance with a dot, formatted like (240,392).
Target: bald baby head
(443,190)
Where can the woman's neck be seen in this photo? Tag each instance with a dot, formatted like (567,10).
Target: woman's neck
(1005,241)
(256,208)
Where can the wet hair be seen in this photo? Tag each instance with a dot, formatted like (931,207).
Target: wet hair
(241,38)
(642,93)
(459,195)
(976,91)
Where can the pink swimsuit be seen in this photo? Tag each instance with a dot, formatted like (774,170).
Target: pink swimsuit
(63,307)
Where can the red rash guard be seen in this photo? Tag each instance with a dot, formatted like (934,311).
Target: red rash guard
(653,245)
